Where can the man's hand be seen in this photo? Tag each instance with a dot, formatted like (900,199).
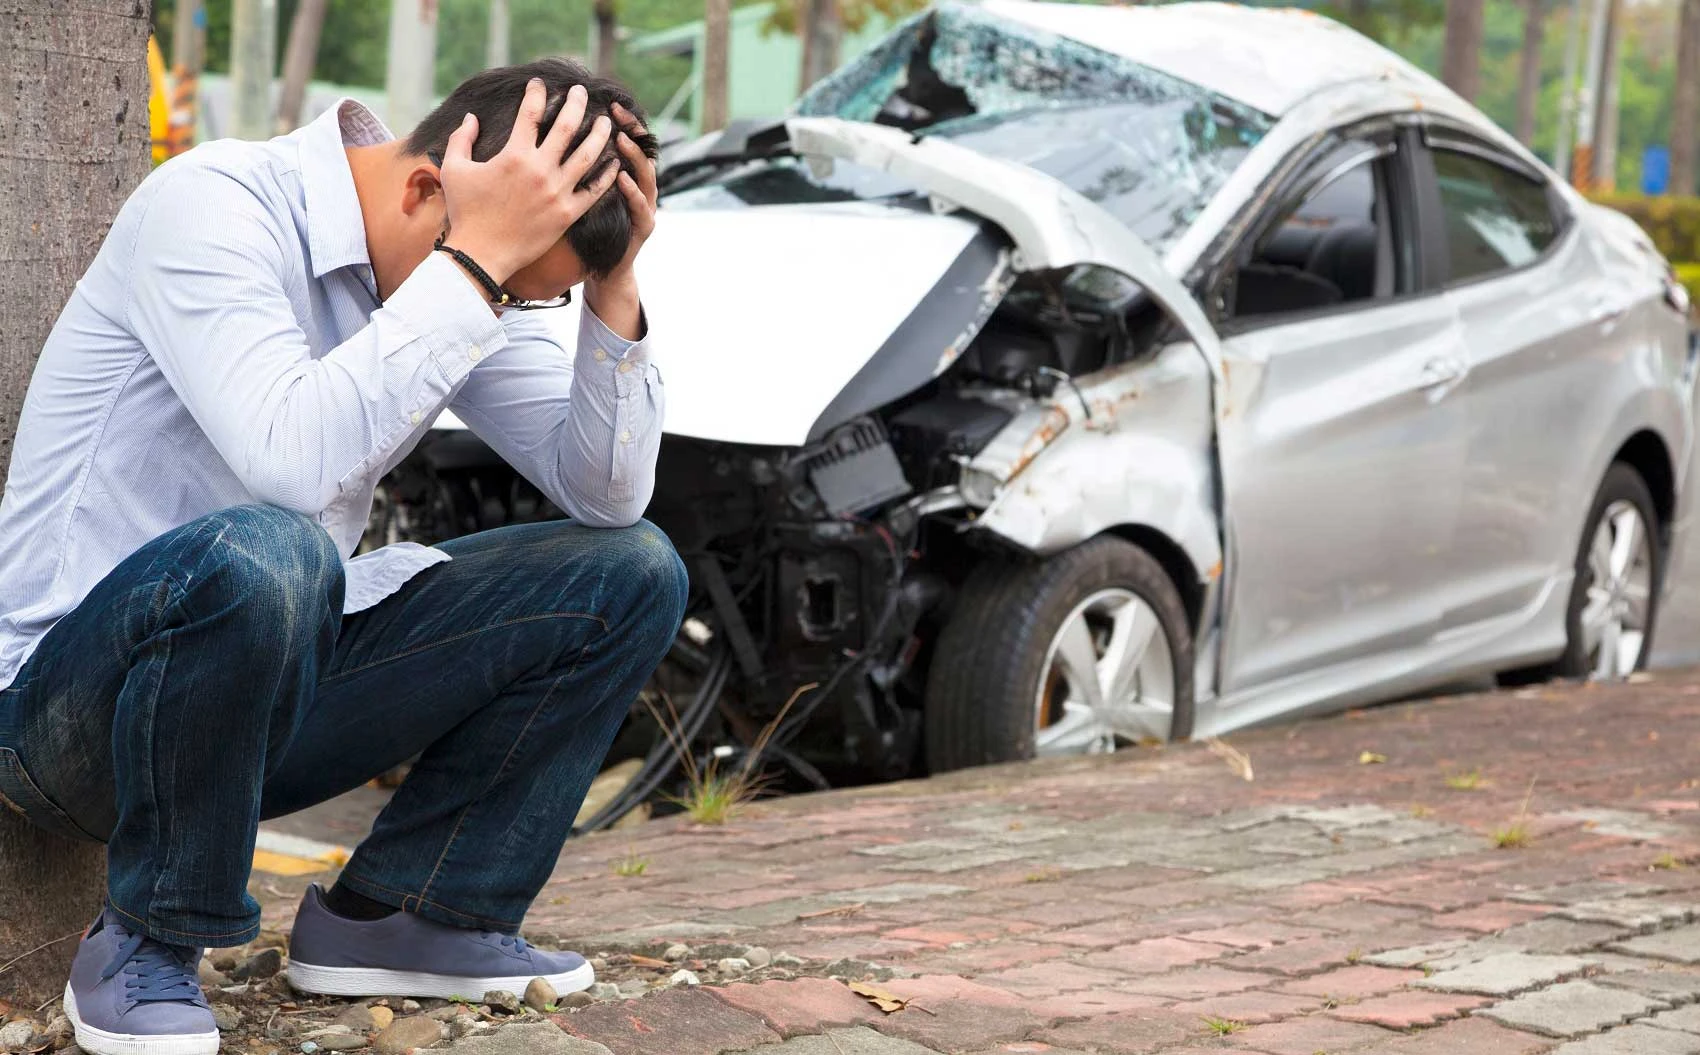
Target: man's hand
(614,297)
(508,211)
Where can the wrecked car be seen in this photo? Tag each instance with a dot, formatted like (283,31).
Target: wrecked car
(1057,377)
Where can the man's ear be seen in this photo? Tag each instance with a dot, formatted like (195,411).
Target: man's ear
(423,189)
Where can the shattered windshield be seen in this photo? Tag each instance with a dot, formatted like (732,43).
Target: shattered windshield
(1150,148)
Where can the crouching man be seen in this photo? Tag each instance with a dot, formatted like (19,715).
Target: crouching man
(186,647)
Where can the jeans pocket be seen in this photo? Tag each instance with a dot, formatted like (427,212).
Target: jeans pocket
(22,796)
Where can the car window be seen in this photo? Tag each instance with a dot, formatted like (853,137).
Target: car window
(1333,247)
(1496,219)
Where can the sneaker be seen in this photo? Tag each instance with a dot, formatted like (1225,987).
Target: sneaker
(407,955)
(131,995)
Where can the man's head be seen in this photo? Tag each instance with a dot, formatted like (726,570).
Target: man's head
(599,240)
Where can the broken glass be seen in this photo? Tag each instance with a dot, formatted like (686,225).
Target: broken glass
(1151,148)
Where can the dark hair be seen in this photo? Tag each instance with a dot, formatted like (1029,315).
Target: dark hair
(602,235)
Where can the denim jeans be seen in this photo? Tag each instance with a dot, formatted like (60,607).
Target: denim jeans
(211,681)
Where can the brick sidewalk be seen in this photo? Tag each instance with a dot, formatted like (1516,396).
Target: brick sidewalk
(1154,901)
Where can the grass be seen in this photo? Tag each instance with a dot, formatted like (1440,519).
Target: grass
(1515,836)
(1354,956)
(1419,811)
(1466,781)
(631,866)
(1043,875)
(1222,1026)
(714,796)
(1666,862)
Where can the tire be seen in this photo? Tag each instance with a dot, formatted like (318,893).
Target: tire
(983,700)
(1623,488)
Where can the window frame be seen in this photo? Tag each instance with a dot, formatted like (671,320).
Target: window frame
(1432,211)
(1388,146)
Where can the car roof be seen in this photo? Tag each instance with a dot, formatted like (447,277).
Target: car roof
(1270,59)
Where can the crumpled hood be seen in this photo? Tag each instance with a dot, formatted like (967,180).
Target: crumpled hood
(761,316)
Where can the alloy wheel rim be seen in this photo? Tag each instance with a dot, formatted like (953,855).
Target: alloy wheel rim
(1617,604)
(1109,676)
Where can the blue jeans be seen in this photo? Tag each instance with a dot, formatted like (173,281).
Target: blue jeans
(212,680)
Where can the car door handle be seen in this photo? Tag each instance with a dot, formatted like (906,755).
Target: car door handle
(1605,311)
(1442,371)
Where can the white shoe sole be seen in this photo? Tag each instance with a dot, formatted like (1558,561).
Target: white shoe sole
(100,1042)
(375,981)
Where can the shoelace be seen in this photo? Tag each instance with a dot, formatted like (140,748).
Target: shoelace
(511,941)
(158,971)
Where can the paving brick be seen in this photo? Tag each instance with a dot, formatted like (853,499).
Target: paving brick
(860,1041)
(1254,935)
(1466,1036)
(806,1005)
(1352,983)
(1683,1019)
(1050,978)
(1028,1047)
(1408,1009)
(1490,916)
(1303,957)
(1679,945)
(1571,1009)
(1067,912)
(1675,985)
(1558,936)
(1158,954)
(1633,1040)
(1129,1033)
(1307,1036)
(1587,890)
(955,1014)
(671,1022)
(1505,973)
(1196,983)
(1092,1002)
(1630,913)
(1252,1008)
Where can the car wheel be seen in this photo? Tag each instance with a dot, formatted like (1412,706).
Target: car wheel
(1614,600)
(1071,655)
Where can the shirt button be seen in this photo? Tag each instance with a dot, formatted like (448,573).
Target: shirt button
(625,368)
(601,355)
(416,417)
(626,436)
(475,353)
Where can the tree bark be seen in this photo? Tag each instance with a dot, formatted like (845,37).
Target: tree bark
(73,143)
(1460,65)
(1529,69)
(1611,82)
(299,57)
(822,31)
(496,42)
(1685,109)
(716,44)
(607,36)
(253,60)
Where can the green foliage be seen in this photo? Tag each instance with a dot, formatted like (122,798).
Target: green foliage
(1673,223)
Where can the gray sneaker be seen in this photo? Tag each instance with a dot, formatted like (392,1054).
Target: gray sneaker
(407,955)
(131,995)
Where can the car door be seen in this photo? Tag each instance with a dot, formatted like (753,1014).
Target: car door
(1545,329)
(1342,442)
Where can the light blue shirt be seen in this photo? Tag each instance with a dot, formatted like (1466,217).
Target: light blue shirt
(227,346)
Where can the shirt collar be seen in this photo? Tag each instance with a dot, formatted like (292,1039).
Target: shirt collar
(336,232)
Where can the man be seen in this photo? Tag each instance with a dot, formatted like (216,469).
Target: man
(186,647)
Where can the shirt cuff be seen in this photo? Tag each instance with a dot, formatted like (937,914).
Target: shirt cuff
(594,335)
(439,303)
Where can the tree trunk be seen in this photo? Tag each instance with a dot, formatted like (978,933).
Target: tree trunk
(1529,69)
(299,57)
(1460,65)
(1685,109)
(253,60)
(1607,124)
(411,67)
(73,142)
(823,36)
(716,44)
(497,42)
(607,38)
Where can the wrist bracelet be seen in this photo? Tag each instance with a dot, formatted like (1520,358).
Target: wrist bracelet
(497,294)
